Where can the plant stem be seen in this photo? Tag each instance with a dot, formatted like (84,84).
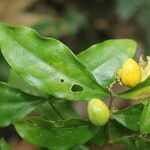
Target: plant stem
(110,108)
(122,138)
(111,102)
(56,110)
(128,136)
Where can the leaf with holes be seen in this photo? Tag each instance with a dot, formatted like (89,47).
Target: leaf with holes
(15,104)
(55,135)
(47,64)
(104,59)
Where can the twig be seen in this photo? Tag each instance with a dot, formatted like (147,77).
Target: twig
(111,102)
(122,138)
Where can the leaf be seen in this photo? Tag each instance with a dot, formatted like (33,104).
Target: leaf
(145,119)
(4,69)
(47,64)
(4,145)
(65,109)
(15,104)
(104,59)
(55,135)
(141,91)
(142,143)
(17,82)
(45,110)
(121,135)
(101,137)
(129,117)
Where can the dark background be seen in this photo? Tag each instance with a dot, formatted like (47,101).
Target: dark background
(80,23)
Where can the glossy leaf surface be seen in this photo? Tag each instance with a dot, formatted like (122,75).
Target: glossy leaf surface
(104,59)
(47,64)
(55,135)
(129,117)
(16,81)
(15,104)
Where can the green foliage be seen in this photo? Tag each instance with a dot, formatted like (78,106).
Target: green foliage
(17,82)
(45,74)
(65,108)
(104,59)
(145,119)
(47,64)
(141,91)
(100,137)
(129,117)
(55,135)
(15,104)
(4,145)
(118,133)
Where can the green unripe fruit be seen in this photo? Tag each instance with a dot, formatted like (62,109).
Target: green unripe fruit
(98,112)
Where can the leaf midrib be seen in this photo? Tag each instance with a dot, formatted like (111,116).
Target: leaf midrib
(73,80)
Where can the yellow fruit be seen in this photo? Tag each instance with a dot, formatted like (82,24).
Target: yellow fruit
(98,112)
(130,73)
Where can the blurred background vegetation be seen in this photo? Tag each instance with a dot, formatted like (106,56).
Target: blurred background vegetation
(80,23)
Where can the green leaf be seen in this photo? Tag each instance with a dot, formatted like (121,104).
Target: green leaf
(4,145)
(118,131)
(65,109)
(141,91)
(129,117)
(15,104)
(143,144)
(121,135)
(145,119)
(104,59)
(45,110)
(145,101)
(55,135)
(17,82)
(47,64)
(4,69)
(101,137)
